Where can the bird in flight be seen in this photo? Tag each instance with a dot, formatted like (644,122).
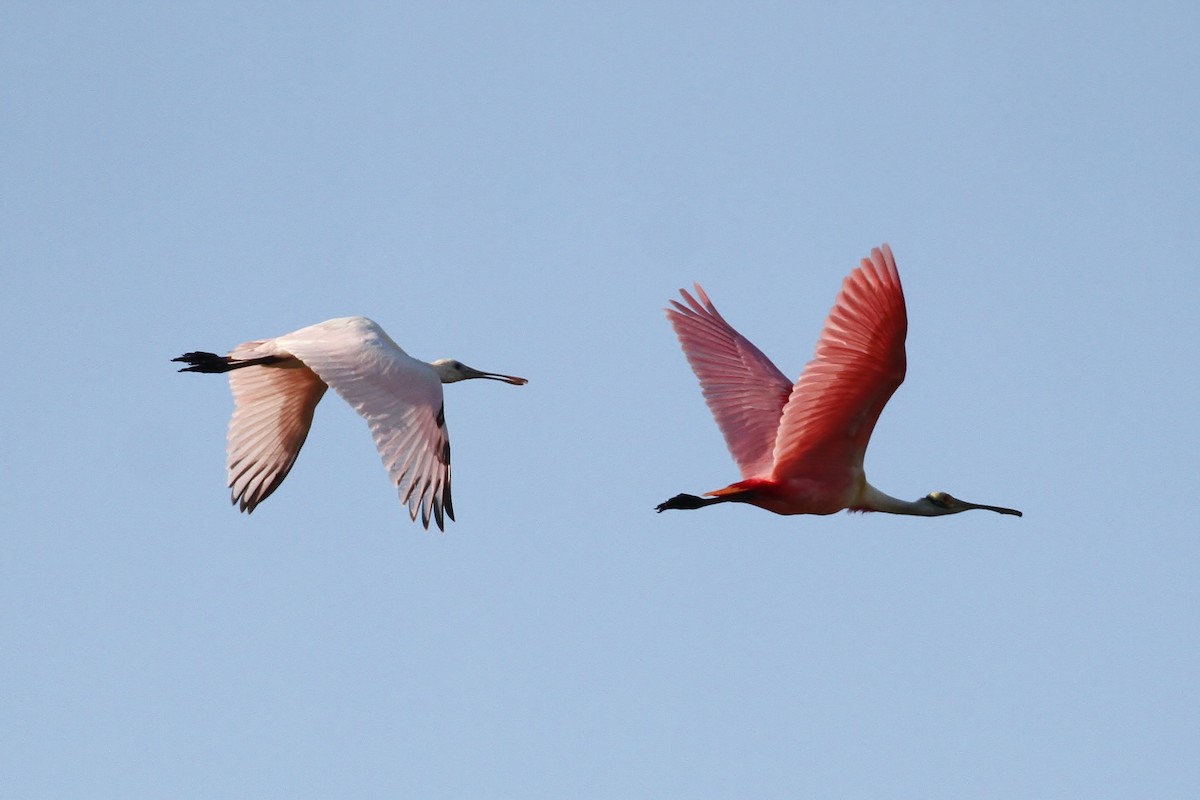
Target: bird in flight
(800,447)
(278,382)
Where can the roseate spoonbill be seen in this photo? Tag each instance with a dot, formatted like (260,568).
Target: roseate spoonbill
(278,382)
(800,448)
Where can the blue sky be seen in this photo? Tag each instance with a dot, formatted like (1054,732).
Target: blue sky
(523,187)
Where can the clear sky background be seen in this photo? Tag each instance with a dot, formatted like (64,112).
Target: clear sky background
(523,186)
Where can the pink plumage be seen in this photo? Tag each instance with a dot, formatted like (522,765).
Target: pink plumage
(800,448)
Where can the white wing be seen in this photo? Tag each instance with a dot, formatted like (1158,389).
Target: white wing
(273,410)
(399,397)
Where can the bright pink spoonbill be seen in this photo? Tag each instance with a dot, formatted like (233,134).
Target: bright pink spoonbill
(800,448)
(278,382)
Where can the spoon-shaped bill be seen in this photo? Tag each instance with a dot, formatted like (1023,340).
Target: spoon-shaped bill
(997,509)
(954,505)
(494,376)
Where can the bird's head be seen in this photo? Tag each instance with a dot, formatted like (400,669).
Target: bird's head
(940,503)
(451,371)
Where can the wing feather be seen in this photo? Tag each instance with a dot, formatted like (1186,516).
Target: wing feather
(273,411)
(744,391)
(399,397)
(858,365)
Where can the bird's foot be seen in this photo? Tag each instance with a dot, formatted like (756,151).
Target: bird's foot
(204,362)
(687,502)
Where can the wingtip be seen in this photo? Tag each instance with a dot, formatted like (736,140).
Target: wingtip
(693,305)
(701,295)
(882,261)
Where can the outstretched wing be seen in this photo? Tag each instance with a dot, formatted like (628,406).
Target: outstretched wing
(859,363)
(398,396)
(273,410)
(744,390)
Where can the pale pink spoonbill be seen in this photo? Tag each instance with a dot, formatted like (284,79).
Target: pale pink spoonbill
(800,448)
(278,382)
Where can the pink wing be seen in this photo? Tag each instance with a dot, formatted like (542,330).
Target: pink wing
(744,390)
(273,411)
(859,363)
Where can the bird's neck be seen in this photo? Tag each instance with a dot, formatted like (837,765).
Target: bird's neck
(871,499)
